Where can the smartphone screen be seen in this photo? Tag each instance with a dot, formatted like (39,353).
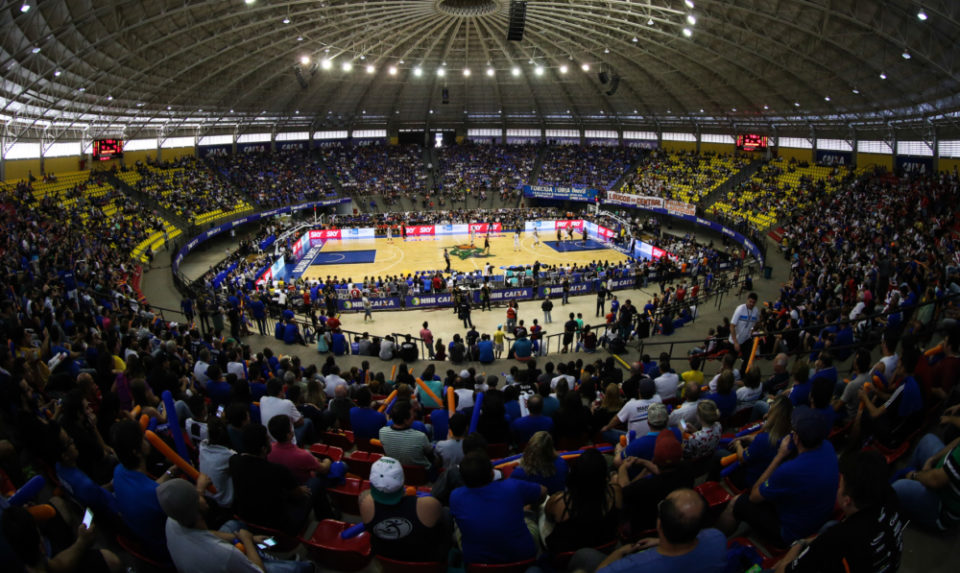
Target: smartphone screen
(267,543)
(87,518)
(220,411)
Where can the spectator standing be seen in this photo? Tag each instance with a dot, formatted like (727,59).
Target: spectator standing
(744,319)
(547,306)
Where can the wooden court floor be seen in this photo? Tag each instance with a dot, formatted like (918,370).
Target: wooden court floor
(426,253)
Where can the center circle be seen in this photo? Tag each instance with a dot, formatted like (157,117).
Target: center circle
(468,8)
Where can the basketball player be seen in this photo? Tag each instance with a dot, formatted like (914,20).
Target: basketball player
(389,234)
(570,232)
(472,235)
(446,258)
(559,235)
(486,245)
(516,240)
(536,238)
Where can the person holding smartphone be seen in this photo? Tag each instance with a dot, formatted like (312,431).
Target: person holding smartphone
(194,547)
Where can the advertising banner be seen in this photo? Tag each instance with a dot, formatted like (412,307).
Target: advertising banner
(839,158)
(421,230)
(629,200)
(911,164)
(484,228)
(214,150)
(581,194)
(680,207)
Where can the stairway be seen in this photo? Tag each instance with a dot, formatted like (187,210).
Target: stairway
(615,186)
(151,203)
(730,184)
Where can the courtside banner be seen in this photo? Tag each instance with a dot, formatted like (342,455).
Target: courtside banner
(447,230)
(582,194)
(484,228)
(628,200)
(421,230)
(680,208)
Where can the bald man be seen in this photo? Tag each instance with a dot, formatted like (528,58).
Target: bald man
(680,544)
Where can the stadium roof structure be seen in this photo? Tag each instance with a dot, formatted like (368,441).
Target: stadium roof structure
(140,67)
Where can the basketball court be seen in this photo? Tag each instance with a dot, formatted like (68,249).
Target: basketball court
(358,258)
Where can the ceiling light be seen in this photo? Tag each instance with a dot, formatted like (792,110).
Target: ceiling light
(856,91)
(689,3)
(326,64)
(441,72)
(249,2)
(921,15)
(563,69)
(25,7)
(466,72)
(687,32)
(81,90)
(400,62)
(371,69)
(109,98)
(906,55)
(392,70)
(57,73)
(362,57)
(297,112)
(585,67)
(169,108)
(733,109)
(36,50)
(826,98)
(515,71)
(701,110)
(650,22)
(796,104)
(431,111)
(139,104)
(606,50)
(766,107)
(490,72)
(635,40)
(538,70)
(691,19)
(286,20)
(883,76)
(299,38)
(347,67)
(305,60)
(418,71)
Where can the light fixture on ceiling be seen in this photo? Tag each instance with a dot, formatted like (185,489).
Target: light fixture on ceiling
(691,19)
(431,111)
(701,110)
(826,98)
(371,69)
(585,67)
(906,54)
(563,69)
(81,90)
(650,22)
(796,104)
(490,72)
(299,38)
(538,70)
(441,72)
(689,3)
(418,71)
(347,66)
(921,15)
(25,7)
(392,70)
(249,2)
(766,107)
(400,62)
(296,112)
(305,60)
(635,40)
(856,91)
(326,64)
(687,32)
(733,109)
(515,71)
(286,20)
(57,73)
(139,104)
(109,98)
(466,72)
(606,50)
(36,50)
(883,76)
(363,57)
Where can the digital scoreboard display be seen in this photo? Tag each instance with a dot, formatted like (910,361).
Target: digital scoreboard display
(752,142)
(106,149)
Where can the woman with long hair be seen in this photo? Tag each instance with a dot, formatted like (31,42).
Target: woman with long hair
(587,513)
(541,464)
(602,412)
(756,451)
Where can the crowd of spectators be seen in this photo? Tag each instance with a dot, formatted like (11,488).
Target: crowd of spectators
(188,188)
(681,176)
(275,179)
(586,165)
(484,168)
(377,170)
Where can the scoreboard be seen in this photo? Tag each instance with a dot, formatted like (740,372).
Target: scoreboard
(106,149)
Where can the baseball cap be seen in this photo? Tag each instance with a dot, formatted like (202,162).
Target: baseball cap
(178,499)
(811,426)
(667,450)
(465,374)
(386,481)
(657,415)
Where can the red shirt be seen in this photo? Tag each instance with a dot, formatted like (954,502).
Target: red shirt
(299,461)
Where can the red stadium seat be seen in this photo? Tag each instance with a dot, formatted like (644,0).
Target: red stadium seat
(327,547)
(325,451)
(715,494)
(366,446)
(346,496)
(360,462)
(343,440)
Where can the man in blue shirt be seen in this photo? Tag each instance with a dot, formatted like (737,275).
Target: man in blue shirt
(490,513)
(364,420)
(522,348)
(680,544)
(525,427)
(485,349)
(794,497)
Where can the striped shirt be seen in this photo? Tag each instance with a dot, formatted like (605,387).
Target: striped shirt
(408,446)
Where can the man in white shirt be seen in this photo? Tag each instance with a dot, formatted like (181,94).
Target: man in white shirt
(668,380)
(235,365)
(273,404)
(332,380)
(634,412)
(200,368)
(688,410)
(562,375)
(744,318)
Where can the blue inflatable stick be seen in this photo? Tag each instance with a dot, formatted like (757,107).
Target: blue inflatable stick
(175,430)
